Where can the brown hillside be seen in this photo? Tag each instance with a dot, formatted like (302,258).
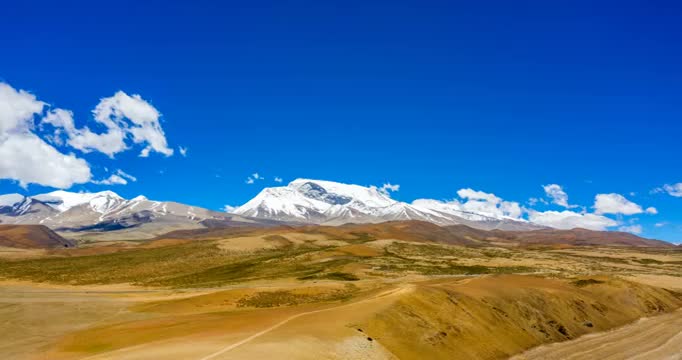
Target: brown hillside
(31,237)
(577,237)
(421,231)
(418,231)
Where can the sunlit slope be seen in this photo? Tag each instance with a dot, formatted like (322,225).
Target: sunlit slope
(489,317)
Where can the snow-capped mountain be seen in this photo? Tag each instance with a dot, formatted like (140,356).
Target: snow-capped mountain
(104,211)
(332,203)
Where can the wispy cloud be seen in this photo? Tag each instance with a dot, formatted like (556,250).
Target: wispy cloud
(558,195)
(671,189)
(118,178)
(253,177)
(388,188)
(635,229)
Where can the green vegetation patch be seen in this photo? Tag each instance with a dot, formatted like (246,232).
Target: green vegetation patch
(586,282)
(196,264)
(649,261)
(267,299)
(336,275)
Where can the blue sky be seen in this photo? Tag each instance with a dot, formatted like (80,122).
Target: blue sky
(502,97)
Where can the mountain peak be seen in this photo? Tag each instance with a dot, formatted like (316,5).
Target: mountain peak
(64,200)
(328,202)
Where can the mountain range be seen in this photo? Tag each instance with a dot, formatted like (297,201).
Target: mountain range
(331,203)
(107,216)
(103,212)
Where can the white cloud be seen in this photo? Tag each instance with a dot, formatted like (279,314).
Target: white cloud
(112,180)
(635,229)
(252,179)
(569,220)
(26,158)
(126,118)
(125,175)
(183,151)
(534,201)
(478,195)
(651,210)
(661,224)
(278,179)
(118,178)
(17,109)
(386,188)
(672,190)
(229,208)
(615,204)
(557,194)
(487,204)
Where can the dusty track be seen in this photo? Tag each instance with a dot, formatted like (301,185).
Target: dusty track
(135,351)
(226,349)
(650,338)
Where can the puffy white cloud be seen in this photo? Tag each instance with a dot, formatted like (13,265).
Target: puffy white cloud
(487,204)
(62,121)
(126,118)
(278,179)
(229,208)
(557,194)
(183,151)
(26,158)
(635,229)
(661,224)
(672,189)
(478,195)
(118,178)
(651,210)
(249,180)
(511,209)
(569,220)
(17,109)
(615,204)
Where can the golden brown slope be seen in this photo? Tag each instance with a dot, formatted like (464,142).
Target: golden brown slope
(494,317)
(420,231)
(31,237)
(578,237)
(489,317)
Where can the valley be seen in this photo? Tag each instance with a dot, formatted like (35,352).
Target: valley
(400,290)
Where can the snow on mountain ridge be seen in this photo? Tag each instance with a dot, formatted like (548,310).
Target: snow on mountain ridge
(332,203)
(11,199)
(370,196)
(62,200)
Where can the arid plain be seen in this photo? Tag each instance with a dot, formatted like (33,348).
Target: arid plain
(390,291)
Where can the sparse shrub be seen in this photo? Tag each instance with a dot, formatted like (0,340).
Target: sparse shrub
(586,282)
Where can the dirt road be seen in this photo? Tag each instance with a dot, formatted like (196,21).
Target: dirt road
(283,322)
